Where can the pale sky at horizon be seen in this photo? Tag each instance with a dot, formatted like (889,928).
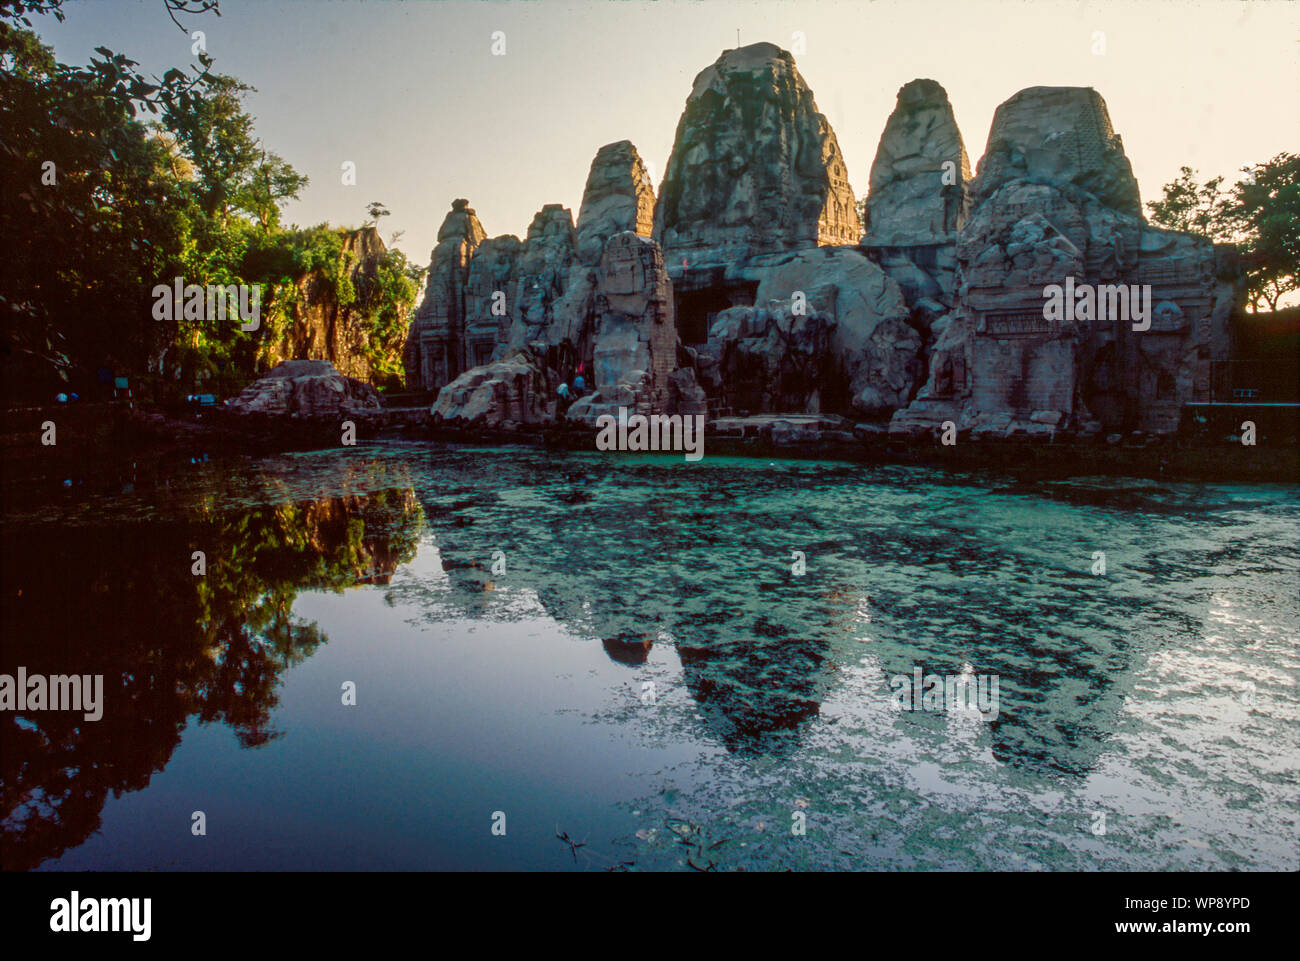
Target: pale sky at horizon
(411,92)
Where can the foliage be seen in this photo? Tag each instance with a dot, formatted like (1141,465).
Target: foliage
(90,216)
(1268,213)
(1260,215)
(100,204)
(1195,208)
(387,308)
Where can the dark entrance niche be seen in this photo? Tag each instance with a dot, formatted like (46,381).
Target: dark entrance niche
(697,309)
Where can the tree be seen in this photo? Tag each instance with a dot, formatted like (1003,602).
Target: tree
(1267,211)
(100,204)
(1194,208)
(89,212)
(216,134)
(1260,215)
(19,10)
(271,184)
(375,210)
(92,206)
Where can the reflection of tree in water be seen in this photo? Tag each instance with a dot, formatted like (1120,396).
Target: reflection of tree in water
(122,602)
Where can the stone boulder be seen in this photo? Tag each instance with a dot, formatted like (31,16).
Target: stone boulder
(517,390)
(543,272)
(920,177)
(755,168)
(306,389)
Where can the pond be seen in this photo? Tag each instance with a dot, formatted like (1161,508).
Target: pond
(405,657)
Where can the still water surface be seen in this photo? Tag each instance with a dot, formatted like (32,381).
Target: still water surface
(648,676)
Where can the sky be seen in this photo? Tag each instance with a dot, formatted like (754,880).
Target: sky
(412,93)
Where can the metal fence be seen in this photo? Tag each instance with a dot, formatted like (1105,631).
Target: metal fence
(1254,381)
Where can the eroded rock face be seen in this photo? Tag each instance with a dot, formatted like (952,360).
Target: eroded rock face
(548,298)
(489,288)
(1056,205)
(921,174)
(548,253)
(635,334)
(307,389)
(1059,135)
(435,345)
(618,197)
(829,331)
(755,167)
(755,295)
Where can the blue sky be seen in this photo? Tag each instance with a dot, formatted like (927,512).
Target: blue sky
(413,95)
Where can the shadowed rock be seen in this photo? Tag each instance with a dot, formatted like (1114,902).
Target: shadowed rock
(828,331)
(618,197)
(1059,136)
(921,172)
(435,344)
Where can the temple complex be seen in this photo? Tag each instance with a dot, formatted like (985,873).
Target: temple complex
(749,285)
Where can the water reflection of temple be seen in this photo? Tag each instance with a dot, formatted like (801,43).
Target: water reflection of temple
(758,647)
